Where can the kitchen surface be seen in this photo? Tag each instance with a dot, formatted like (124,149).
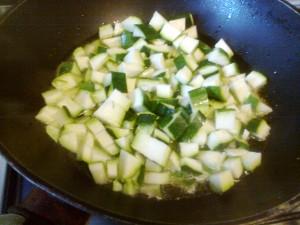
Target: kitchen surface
(22,187)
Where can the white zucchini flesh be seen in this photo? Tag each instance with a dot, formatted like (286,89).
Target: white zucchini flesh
(179,23)
(106,31)
(138,45)
(148,85)
(223,45)
(159,48)
(98,61)
(53,132)
(66,81)
(99,155)
(128,165)
(145,144)
(218,138)
(263,109)
(52,115)
(262,130)
(112,169)
(219,57)
(200,137)
(161,136)
(98,76)
(184,75)
(221,182)
(169,32)
(84,98)
(86,147)
(137,99)
(164,91)
(191,62)
(198,55)
(178,41)
(174,162)
(235,166)
(214,80)
(131,69)
(211,160)
(125,142)
(197,81)
(98,172)
(157,178)
(72,106)
(70,141)
(110,113)
(192,32)
(192,164)
(251,160)
(158,61)
(240,89)
(117,186)
(120,98)
(230,70)
(102,136)
(238,152)
(134,57)
(82,62)
(189,44)
(256,80)
(79,52)
(52,96)
(157,21)
(225,119)
(118,29)
(152,166)
(188,149)
(130,22)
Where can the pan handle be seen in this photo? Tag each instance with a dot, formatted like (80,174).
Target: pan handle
(41,208)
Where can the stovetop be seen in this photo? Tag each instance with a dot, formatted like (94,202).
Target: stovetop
(14,188)
(17,188)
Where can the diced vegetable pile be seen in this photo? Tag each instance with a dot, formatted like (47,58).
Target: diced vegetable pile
(149,105)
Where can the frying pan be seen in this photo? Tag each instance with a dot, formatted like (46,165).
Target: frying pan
(265,34)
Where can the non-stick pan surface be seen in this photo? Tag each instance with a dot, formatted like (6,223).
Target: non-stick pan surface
(40,34)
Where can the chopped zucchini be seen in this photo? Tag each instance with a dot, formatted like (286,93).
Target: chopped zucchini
(98,172)
(223,45)
(259,129)
(159,178)
(145,144)
(211,160)
(218,139)
(130,22)
(157,21)
(192,164)
(106,31)
(128,165)
(221,182)
(184,75)
(169,32)
(225,119)
(188,149)
(148,105)
(251,160)
(256,80)
(235,166)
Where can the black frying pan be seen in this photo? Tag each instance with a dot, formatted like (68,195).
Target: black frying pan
(265,34)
